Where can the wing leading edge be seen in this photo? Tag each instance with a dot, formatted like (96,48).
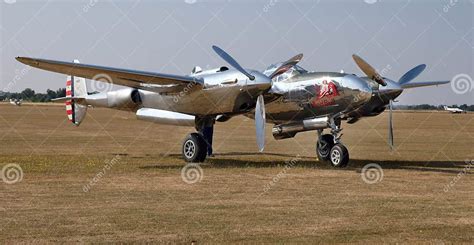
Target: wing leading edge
(423,84)
(151,81)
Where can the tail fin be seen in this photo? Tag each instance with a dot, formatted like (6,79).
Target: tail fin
(75,88)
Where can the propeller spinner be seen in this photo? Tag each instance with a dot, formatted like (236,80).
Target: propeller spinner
(262,78)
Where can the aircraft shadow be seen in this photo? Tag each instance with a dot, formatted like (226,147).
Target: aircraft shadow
(312,162)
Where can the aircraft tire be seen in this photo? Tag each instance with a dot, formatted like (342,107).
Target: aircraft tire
(339,157)
(194,148)
(327,141)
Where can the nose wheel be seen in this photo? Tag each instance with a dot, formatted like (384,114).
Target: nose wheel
(329,151)
(329,147)
(339,156)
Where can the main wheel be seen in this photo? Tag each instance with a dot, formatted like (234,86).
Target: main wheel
(324,146)
(194,148)
(339,156)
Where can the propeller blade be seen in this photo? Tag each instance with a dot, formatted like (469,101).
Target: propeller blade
(287,65)
(225,56)
(390,126)
(260,122)
(368,70)
(411,74)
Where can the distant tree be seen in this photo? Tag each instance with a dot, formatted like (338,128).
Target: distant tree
(463,107)
(51,94)
(28,94)
(61,92)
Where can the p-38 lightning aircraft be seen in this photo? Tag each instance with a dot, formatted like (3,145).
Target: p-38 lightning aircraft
(285,94)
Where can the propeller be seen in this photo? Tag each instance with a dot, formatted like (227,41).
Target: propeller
(368,70)
(260,122)
(260,105)
(411,74)
(287,65)
(225,56)
(390,126)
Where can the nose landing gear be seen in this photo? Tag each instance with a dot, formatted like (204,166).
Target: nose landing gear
(329,146)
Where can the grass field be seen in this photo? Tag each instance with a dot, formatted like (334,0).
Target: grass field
(117,179)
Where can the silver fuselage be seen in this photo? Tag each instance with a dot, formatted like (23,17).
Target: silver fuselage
(297,98)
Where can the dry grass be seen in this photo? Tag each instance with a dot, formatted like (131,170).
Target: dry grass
(143,197)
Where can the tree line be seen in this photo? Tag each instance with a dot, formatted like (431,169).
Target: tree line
(432,107)
(30,95)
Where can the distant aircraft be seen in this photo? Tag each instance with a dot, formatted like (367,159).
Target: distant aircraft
(454,110)
(16,102)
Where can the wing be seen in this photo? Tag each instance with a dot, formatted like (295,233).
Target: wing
(151,81)
(423,84)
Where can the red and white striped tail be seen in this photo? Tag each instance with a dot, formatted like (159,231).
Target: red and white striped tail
(69,103)
(75,88)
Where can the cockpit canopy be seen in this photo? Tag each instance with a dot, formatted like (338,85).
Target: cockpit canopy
(295,70)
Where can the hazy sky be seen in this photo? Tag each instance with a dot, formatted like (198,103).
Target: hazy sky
(174,36)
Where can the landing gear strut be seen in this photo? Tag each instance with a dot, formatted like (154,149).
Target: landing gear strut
(329,146)
(198,145)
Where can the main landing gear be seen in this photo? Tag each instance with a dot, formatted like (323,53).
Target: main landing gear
(197,146)
(329,146)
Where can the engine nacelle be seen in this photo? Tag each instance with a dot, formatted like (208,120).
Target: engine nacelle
(127,98)
(284,131)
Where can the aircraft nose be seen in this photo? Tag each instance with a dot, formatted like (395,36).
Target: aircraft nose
(361,90)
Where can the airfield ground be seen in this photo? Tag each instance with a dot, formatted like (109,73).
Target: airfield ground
(118,179)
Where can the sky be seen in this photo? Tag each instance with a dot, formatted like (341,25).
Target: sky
(174,36)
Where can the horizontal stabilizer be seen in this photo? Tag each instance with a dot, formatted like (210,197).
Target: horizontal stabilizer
(64,99)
